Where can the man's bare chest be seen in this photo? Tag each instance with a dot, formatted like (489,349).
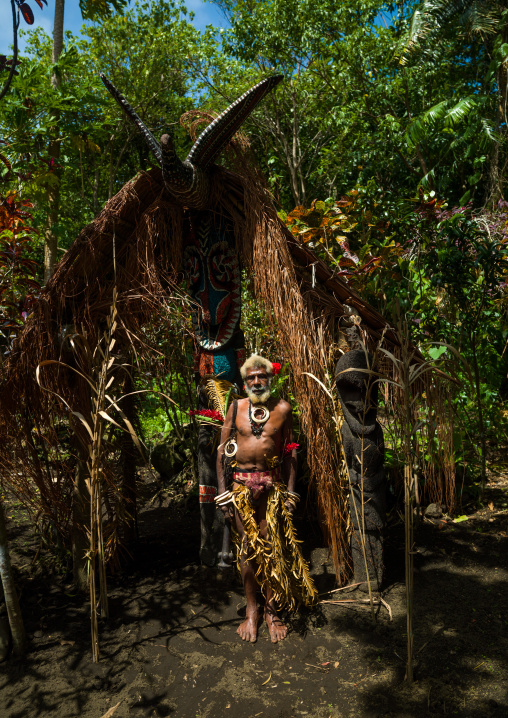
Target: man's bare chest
(271,429)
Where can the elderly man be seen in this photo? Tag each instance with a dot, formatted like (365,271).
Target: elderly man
(257,457)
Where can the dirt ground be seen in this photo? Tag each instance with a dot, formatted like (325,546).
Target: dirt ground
(170,646)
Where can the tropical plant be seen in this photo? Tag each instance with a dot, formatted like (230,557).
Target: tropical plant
(18,287)
(459,278)
(356,242)
(478,34)
(431,17)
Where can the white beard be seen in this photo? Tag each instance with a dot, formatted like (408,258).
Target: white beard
(261,398)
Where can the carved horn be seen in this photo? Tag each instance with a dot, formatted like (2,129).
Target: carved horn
(130,112)
(189,184)
(218,133)
(189,180)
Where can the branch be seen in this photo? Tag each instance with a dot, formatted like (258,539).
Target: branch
(15,56)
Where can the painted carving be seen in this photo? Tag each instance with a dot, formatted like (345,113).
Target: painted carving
(213,273)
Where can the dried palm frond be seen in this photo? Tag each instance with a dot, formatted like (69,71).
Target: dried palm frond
(99,369)
(34,424)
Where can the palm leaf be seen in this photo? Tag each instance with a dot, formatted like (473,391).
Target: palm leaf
(460,111)
(217,391)
(450,116)
(432,16)
(417,130)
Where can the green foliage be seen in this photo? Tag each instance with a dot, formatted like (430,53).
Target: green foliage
(144,51)
(159,418)
(431,17)
(168,374)
(100,9)
(460,273)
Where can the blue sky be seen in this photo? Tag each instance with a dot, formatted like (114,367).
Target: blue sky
(205,14)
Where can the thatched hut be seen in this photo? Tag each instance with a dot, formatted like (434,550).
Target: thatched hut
(133,247)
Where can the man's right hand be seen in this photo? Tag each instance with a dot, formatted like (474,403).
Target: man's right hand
(228,511)
(290,507)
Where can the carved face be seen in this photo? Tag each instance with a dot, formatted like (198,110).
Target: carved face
(213,272)
(357,393)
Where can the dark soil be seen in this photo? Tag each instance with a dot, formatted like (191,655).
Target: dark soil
(170,646)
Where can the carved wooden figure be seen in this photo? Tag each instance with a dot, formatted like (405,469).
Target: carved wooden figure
(362,437)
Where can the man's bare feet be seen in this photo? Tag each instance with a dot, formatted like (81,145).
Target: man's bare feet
(248,630)
(278,631)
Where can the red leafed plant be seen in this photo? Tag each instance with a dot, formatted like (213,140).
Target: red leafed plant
(18,287)
(207,414)
(27,13)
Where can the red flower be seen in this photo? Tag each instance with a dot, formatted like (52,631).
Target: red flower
(289,448)
(276,367)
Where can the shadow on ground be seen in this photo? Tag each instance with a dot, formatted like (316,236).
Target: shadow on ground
(169,647)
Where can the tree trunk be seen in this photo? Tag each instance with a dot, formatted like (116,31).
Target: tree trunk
(479,409)
(10,595)
(53,196)
(58,29)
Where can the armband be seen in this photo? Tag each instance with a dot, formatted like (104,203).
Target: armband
(225,498)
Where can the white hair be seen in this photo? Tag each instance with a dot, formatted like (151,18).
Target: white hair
(256,362)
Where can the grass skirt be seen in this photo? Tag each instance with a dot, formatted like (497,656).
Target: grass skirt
(279,561)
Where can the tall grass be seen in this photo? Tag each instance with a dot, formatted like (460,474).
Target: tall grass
(102,368)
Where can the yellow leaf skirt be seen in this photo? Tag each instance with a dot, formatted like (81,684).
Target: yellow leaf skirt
(279,561)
